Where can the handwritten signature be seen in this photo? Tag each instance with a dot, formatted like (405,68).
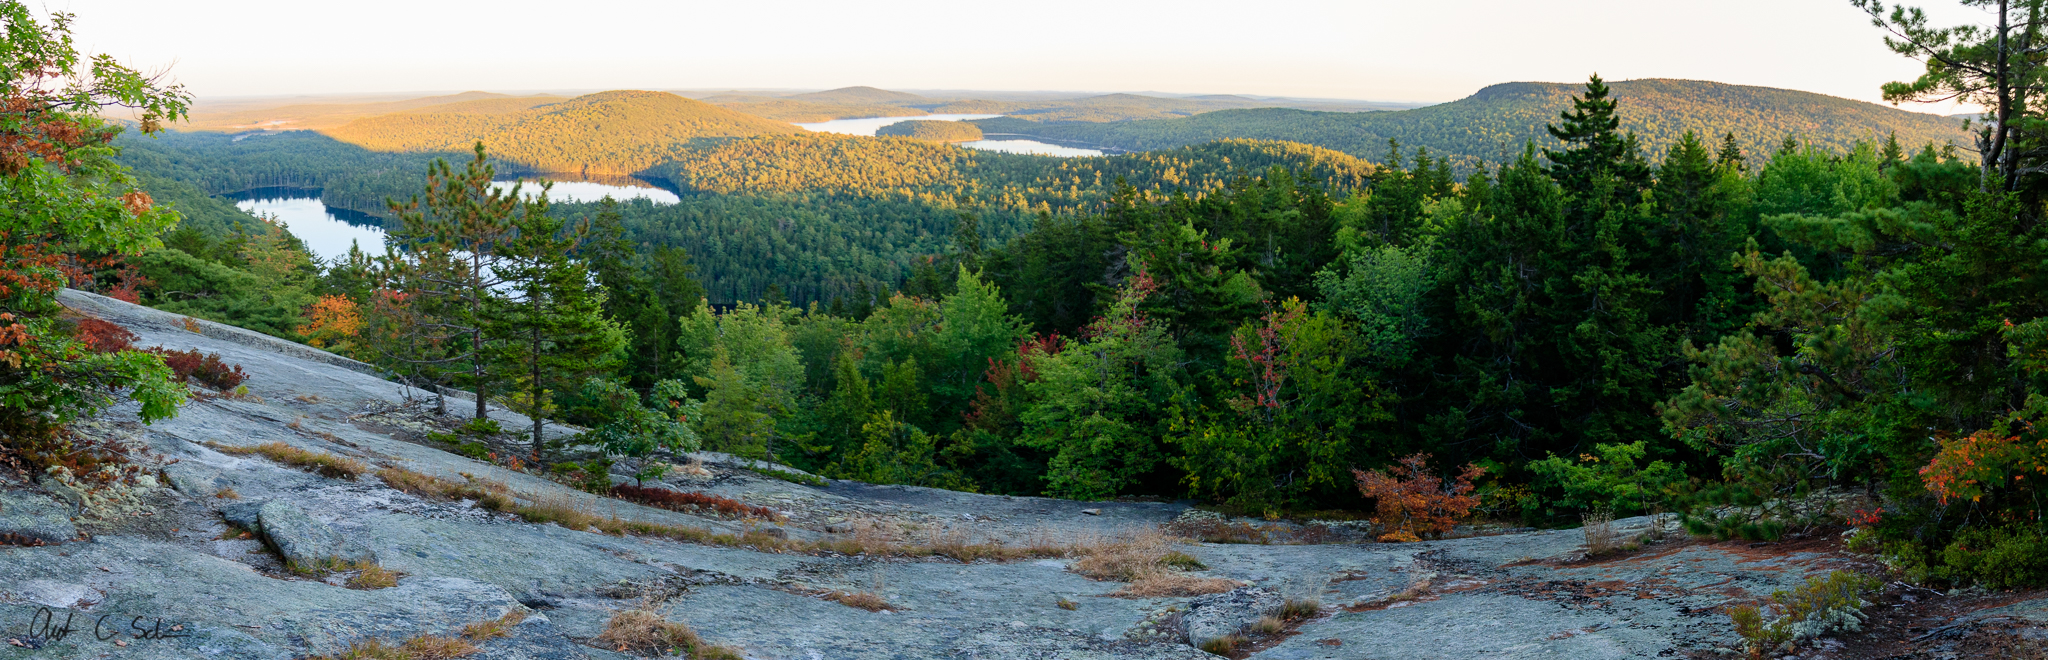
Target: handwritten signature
(45,629)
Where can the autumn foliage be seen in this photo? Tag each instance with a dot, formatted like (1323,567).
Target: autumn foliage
(1968,466)
(331,321)
(206,368)
(1412,502)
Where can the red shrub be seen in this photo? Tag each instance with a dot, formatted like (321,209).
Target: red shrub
(1413,502)
(105,337)
(207,369)
(669,499)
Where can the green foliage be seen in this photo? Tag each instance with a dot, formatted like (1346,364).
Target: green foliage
(892,452)
(625,426)
(932,131)
(1476,129)
(1608,479)
(63,200)
(1099,409)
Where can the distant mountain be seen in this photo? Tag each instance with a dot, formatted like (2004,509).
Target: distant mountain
(861,96)
(800,111)
(1494,123)
(313,116)
(618,132)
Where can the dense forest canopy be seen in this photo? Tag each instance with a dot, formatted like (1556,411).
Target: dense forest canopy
(1492,125)
(934,131)
(617,133)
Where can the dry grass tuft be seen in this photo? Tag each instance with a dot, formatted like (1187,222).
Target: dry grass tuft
(1124,560)
(227,493)
(373,576)
(1296,609)
(1224,646)
(339,467)
(1268,625)
(1068,604)
(646,633)
(1601,538)
(424,647)
(494,628)
(862,600)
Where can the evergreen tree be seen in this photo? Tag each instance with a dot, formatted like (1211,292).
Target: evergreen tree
(551,326)
(1594,145)
(444,267)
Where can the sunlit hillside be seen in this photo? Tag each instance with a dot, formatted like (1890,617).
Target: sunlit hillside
(618,132)
(244,115)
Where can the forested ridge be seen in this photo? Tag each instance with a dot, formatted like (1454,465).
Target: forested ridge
(616,133)
(817,215)
(1492,124)
(935,131)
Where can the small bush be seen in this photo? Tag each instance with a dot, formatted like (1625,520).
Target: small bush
(104,337)
(476,450)
(207,369)
(1067,604)
(1996,557)
(482,427)
(325,464)
(1411,502)
(1821,606)
(593,476)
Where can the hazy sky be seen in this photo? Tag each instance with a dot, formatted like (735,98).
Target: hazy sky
(1393,50)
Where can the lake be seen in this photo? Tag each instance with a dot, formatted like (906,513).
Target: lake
(326,235)
(328,232)
(868,126)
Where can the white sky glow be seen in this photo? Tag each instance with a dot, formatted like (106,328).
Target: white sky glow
(1389,50)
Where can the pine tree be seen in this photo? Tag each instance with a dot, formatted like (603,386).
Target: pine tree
(551,327)
(442,276)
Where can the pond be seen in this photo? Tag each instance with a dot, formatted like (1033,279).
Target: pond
(868,126)
(326,235)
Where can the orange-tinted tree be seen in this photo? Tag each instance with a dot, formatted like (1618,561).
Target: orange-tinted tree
(1412,502)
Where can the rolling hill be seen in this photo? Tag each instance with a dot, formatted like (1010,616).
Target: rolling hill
(799,111)
(618,132)
(933,131)
(862,96)
(246,116)
(1494,123)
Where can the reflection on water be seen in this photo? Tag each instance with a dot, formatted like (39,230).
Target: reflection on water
(1030,147)
(869,125)
(573,188)
(325,235)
